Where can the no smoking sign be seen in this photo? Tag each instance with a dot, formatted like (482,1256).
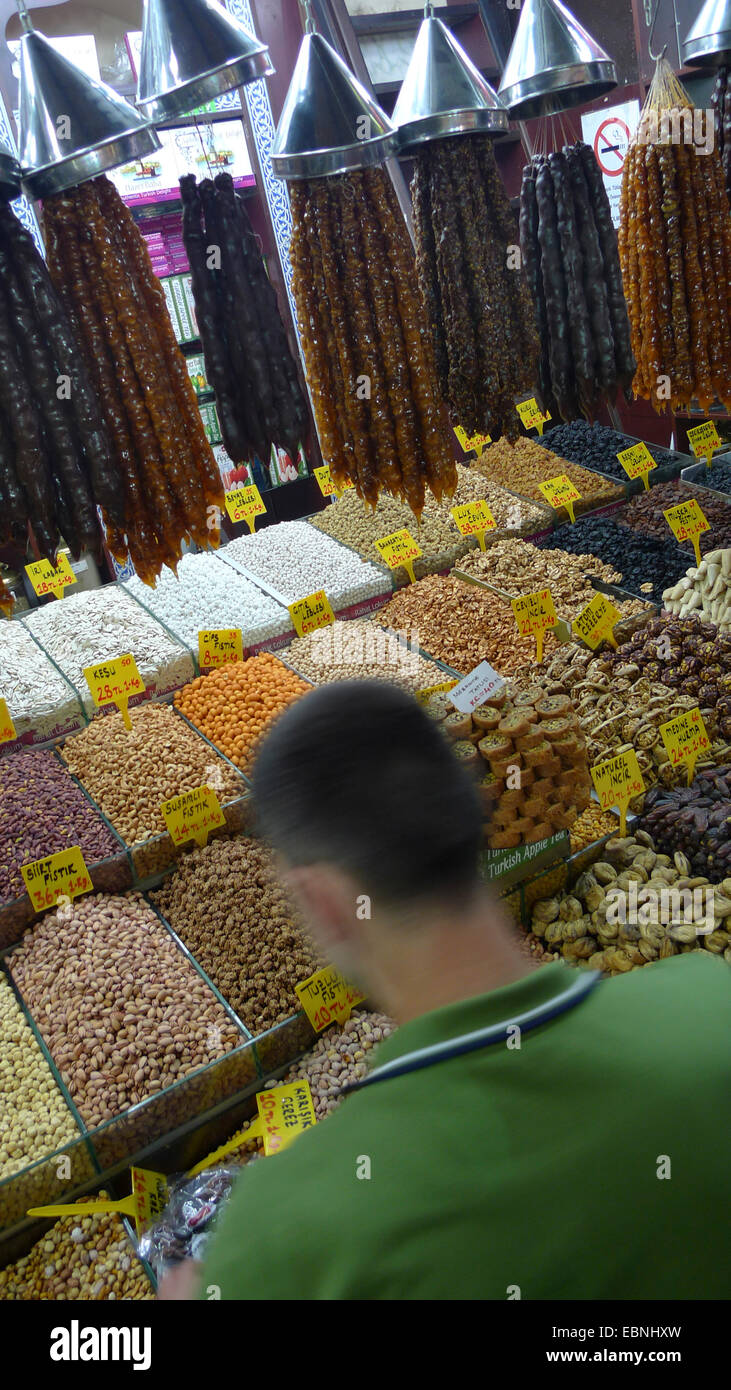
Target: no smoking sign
(611,143)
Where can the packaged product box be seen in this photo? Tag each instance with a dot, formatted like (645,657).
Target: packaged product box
(197,372)
(209,416)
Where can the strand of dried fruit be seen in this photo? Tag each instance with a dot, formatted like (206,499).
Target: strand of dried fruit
(458,327)
(523,321)
(426,262)
(648,294)
(683,377)
(685,158)
(531,261)
(485,289)
(657,248)
(554,288)
(719,330)
(599,198)
(595,289)
(630,264)
(578,314)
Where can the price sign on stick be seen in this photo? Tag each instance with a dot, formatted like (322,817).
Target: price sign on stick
(47,580)
(62,875)
(114,683)
(617,782)
(7,727)
(398,549)
(192,816)
(476,688)
(285,1112)
(308,614)
(704,440)
(687,523)
(245,504)
(596,623)
(560,492)
(685,740)
(535,615)
(326,998)
(146,1202)
(424,696)
(474,519)
(531,415)
(638,462)
(328,486)
(219,647)
(470,442)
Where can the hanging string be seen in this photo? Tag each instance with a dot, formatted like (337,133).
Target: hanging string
(310,26)
(211,172)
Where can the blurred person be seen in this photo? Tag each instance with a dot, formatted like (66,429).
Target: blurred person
(528,1131)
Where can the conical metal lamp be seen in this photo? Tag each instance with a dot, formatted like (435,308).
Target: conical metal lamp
(554,63)
(443,93)
(193,51)
(329,122)
(9,173)
(710,37)
(71,127)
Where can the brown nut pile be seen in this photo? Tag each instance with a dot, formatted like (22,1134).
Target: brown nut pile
(593,824)
(248,940)
(85,1258)
(523,465)
(122,1011)
(361,650)
(35,1119)
(462,625)
(517,567)
(130,773)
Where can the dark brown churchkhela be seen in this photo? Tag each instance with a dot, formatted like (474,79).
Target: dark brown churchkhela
(367,348)
(475,291)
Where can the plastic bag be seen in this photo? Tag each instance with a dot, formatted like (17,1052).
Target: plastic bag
(184,1228)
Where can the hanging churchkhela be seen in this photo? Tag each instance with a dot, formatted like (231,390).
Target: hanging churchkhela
(472,284)
(570,253)
(365,339)
(168,479)
(248,361)
(721,104)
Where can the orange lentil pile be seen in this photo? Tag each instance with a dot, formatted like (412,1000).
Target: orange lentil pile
(234,705)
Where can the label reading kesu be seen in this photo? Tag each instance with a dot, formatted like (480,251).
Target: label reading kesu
(309,614)
(472,442)
(47,579)
(115,682)
(219,647)
(245,504)
(7,727)
(532,416)
(617,782)
(326,483)
(688,523)
(704,440)
(192,815)
(685,739)
(61,875)
(476,688)
(327,997)
(595,624)
(285,1112)
(474,519)
(637,462)
(561,492)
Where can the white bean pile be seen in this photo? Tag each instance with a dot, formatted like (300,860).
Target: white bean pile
(103,623)
(40,701)
(208,594)
(296,560)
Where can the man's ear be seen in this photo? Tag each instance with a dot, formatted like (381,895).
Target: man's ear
(326,898)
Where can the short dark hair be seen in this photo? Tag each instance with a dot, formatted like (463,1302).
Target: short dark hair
(357,774)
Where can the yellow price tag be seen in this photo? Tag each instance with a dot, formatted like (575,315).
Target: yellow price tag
(470,442)
(474,519)
(245,504)
(424,696)
(146,1202)
(47,580)
(399,549)
(192,815)
(704,440)
(219,646)
(531,415)
(687,523)
(308,614)
(7,727)
(61,875)
(638,462)
(685,739)
(327,485)
(114,683)
(326,998)
(561,492)
(535,614)
(594,625)
(285,1112)
(617,782)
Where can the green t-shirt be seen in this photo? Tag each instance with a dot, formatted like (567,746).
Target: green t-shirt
(589,1163)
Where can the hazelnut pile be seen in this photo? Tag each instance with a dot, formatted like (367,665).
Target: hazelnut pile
(80,1257)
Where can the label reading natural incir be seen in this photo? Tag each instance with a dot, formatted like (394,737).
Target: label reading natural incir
(474,519)
(192,815)
(309,614)
(245,504)
(617,782)
(326,998)
(596,623)
(61,875)
(531,415)
(114,683)
(685,739)
(535,615)
(688,523)
(560,492)
(219,647)
(638,462)
(399,549)
(704,440)
(7,727)
(47,580)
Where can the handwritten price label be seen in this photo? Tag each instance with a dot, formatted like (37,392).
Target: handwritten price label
(398,549)
(219,647)
(284,1112)
(704,440)
(62,875)
(687,523)
(326,483)
(150,1196)
(245,504)
(424,696)
(560,492)
(595,624)
(192,816)
(474,519)
(685,739)
(535,614)
(114,683)
(470,442)
(476,688)
(638,462)
(47,580)
(531,415)
(326,998)
(617,782)
(308,614)
(7,727)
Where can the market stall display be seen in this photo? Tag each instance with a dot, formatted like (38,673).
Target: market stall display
(36,1117)
(692,823)
(516,567)
(523,466)
(42,703)
(167,474)
(717,478)
(477,300)
(362,325)
(206,594)
(645,513)
(234,705)
(569,248)
(248,360)
(595,447)
(362,650)
(294,559)
(646,565)
(705,590)
(80,1258)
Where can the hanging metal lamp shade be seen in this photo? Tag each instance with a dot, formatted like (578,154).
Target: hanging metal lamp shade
(193,51)
(443,93)
(710,36)
(329,122)
(9,173)
(71,127)
(554,63)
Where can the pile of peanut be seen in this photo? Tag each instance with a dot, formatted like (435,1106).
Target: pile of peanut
(79,1258)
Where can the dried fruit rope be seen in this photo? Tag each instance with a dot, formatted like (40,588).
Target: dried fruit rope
(531,262)
(554,289)
(601,206)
